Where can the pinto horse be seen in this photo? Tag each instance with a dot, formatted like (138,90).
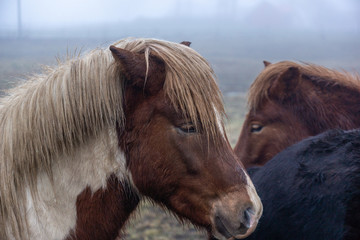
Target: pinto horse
(311,190)
(83,143)
(289,102)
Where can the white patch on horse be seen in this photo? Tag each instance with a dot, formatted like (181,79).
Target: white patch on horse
(219,122)
(254,198)
(52,214)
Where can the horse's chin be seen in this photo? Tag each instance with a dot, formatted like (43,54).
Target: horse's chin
(221,233)
(220,237)
(224,238)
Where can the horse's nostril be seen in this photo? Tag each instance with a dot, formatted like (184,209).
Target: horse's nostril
(248,217)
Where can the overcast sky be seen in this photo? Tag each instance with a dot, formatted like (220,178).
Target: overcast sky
(45,14)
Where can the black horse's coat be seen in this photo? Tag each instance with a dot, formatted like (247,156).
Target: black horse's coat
(311,190)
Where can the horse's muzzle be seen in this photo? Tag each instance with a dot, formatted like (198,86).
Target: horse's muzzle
(234,217)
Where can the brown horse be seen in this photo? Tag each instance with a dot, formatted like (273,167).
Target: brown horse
(82,144)
(289,102)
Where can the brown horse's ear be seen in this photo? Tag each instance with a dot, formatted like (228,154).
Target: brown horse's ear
(284,86)
(133,66)
(266,63)
(186,43)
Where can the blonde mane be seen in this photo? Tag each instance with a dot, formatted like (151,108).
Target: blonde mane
(52,114)
(190,81)
(259,89)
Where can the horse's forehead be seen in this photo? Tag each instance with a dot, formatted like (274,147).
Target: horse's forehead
(268,110)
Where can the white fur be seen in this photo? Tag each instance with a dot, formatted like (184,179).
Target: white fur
(54,215)
(255,199)
(219,122)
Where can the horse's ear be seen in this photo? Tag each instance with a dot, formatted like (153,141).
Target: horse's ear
(133,66)
(285,85)
(186,43)
(266,63)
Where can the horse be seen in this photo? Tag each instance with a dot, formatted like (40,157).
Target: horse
(84,142)
(289,101)
(311,190)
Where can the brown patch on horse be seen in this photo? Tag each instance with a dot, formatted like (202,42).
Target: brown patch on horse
(101,214)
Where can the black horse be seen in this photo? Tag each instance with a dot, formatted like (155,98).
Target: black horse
(311,190)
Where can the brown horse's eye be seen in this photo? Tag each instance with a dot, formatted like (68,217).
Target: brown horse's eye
(255,128)
(187,128)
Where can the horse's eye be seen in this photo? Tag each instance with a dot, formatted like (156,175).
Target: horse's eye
(255,128)
(187,128)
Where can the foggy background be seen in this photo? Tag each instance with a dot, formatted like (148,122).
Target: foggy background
(240,32)
(40,16)
(235,36)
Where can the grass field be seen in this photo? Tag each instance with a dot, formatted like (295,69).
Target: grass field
(236,63)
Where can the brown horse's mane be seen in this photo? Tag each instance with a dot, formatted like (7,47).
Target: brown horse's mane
(259,90)
(52,114)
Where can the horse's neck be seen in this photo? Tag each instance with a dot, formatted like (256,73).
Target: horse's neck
(342,111)
(336,107)
(52,215)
